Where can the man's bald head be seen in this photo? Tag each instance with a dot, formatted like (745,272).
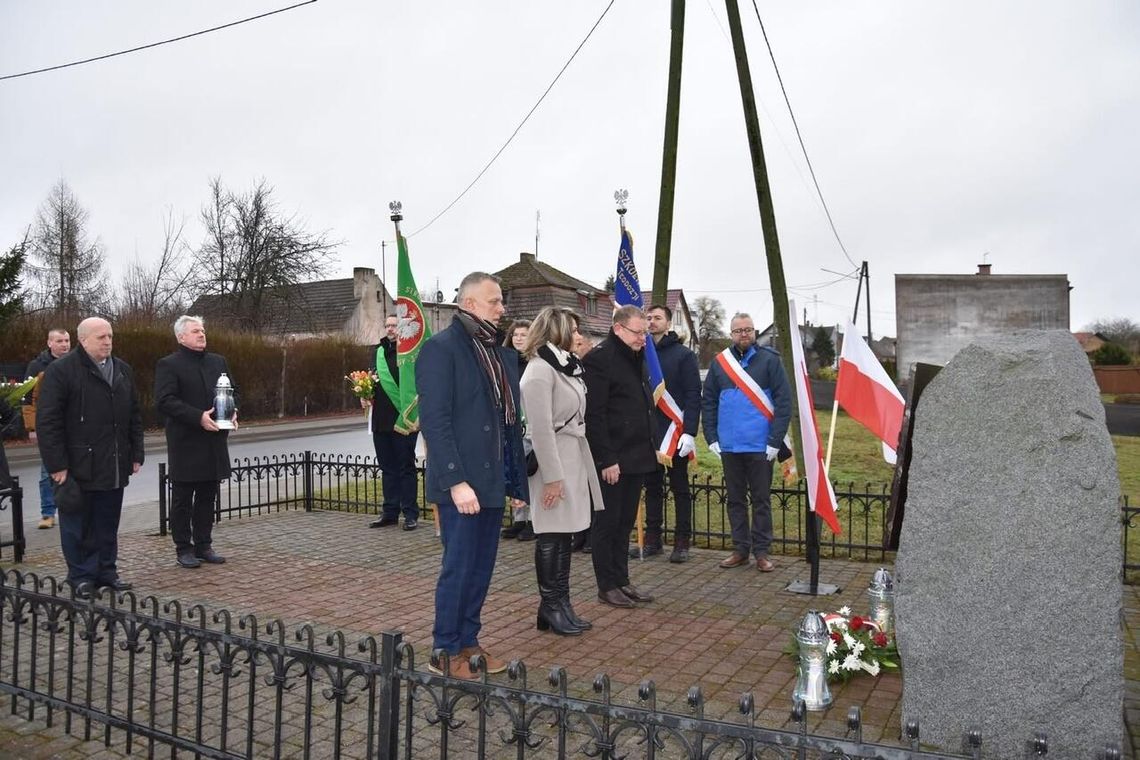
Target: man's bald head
(95,335)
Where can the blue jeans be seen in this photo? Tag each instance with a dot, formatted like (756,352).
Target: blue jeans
(47,496)
(470,545)
(90,539)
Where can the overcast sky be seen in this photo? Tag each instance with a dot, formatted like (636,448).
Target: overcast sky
(940,132)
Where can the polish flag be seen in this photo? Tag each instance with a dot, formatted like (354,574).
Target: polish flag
(866,392)
(820,493)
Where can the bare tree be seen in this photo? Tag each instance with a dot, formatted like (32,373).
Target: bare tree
(254,253)
(1120,330)
(709,314)
(66,268)
(158,290)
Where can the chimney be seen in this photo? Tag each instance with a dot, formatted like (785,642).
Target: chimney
(527,256)
(984,269)
(360,280)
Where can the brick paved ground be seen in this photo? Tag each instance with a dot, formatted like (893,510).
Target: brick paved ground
(722,629)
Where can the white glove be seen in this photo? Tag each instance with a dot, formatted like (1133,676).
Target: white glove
(715,448)
(686,445)
(771,451)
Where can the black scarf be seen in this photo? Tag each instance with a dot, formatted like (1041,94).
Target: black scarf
(487,338)
(563,361)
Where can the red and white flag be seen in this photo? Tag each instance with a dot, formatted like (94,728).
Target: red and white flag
(867,393)
(820,493)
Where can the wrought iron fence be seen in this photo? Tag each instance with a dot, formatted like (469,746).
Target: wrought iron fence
(136,672)
(311,481)
(12,501)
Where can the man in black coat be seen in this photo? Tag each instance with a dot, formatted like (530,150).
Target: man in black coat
(683,380)
(395,452)
(90,430)
(184,387)
(620,430)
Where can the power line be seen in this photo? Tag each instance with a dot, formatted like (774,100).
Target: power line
(521,123)
(154,44)
(795,124)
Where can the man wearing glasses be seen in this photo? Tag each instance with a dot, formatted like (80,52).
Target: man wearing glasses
(619,428)
(746,406)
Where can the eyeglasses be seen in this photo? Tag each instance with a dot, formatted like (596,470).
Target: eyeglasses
(633,332)
(744,331)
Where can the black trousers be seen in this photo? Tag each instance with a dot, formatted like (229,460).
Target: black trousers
(609,531)
(748,481)
(192,514)
(682,499)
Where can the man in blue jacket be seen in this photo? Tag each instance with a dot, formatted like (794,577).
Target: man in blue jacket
(746,407)
(468,385)
(683,381)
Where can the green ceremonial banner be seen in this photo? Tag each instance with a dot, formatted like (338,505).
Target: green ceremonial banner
(411,333)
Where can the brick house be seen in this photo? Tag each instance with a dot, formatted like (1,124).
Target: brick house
(530,284)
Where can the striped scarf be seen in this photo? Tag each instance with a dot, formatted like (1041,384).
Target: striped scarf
(487,338)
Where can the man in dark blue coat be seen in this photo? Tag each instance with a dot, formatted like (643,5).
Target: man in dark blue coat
(90,431)
(198,452)
(683,380)
(468,386)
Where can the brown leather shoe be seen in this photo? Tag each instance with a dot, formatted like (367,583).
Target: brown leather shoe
(765,565)
(637,595)
(494,664)
(615,598)
(734,560)
(459,669)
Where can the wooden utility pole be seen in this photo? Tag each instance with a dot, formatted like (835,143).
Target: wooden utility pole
(669,155)
(767,212)
(780,310)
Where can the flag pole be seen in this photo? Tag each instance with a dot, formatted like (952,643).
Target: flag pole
(621,197)
(831,434)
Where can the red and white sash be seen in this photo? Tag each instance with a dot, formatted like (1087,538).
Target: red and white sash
(741,379)
(668,448)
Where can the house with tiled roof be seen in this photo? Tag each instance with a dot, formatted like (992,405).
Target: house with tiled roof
(530,284)
(352,307)
(1090,341)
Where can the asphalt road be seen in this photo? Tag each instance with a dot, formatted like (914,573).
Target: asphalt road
(338,435)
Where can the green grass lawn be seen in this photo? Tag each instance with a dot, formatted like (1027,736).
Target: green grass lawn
(858,458)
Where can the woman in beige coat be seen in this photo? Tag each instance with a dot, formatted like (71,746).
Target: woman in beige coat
(565,486)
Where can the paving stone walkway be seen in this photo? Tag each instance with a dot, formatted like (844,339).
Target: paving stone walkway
(722,629)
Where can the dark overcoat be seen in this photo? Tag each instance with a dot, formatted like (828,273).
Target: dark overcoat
(184,386)
(619,408)
(383,410)
(683,379)
(87,427)
(462,427)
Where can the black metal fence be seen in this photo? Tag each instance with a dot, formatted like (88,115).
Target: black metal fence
(135,673)
(12,501)
(311,481)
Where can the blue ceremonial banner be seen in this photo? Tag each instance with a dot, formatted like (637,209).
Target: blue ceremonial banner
(627,292)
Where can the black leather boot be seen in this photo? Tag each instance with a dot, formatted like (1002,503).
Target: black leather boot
(565,548)
(551,615)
